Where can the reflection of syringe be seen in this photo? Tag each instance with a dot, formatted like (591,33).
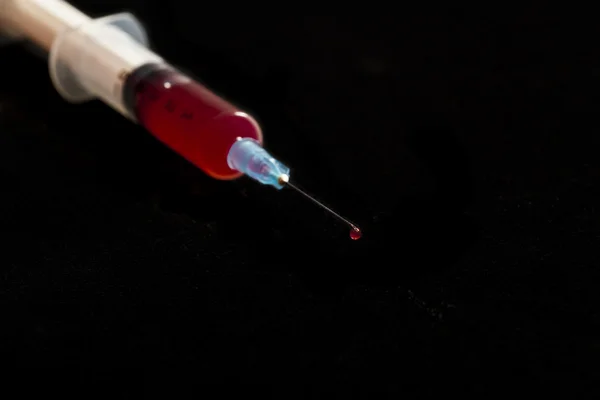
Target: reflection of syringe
(108,59)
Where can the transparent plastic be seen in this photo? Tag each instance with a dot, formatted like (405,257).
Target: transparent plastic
(247,156)
(39,21)
(93,60)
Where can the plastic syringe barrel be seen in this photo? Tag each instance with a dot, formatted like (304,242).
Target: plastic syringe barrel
(88,58)
(38,20)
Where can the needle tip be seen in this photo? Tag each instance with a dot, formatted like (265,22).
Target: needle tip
(355,232)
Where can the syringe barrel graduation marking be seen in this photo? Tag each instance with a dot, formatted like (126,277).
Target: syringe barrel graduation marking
(189,118)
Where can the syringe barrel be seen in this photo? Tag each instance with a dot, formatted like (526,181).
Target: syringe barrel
(39,21)
(94,59)
(189,118)
(88,58)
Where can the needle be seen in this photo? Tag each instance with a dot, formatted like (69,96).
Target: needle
(355,232)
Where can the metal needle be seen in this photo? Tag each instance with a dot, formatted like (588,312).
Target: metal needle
(323,206)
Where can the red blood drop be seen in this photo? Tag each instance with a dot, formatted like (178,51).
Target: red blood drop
(355,233)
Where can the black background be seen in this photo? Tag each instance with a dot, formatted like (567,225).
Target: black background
(466,148)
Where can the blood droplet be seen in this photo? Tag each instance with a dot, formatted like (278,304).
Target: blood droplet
(355,233)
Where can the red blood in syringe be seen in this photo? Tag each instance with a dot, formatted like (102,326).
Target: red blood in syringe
(188,117)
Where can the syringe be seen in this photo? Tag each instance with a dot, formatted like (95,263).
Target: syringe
(108,59)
